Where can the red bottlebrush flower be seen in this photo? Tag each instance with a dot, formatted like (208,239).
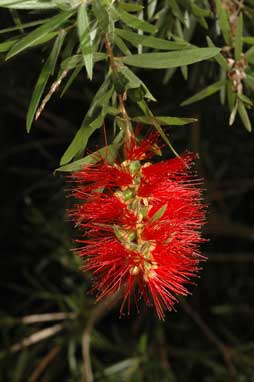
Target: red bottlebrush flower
(141,225)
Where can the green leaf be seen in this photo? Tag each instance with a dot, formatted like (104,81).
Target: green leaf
(77,60)
(152,42)
(200,11)
(6,45)
(223,21)
(121,45)
(71,80)
(176,121)
(231,96)
(176,10)
(47,69)
(244,116)
(81,138)
(153,121)
(250,54)
(28,4)
(32,38)
(209,90)
(85,39)
(130,7)
(249,80)
(57,48)
(233,113)
(238,38)
(101,15)
(245,99)
(90,123)
(158,214)
(248,40)
(24,25)
(219,57)
(170,59)
(135,82)
(133,21)
(109,153)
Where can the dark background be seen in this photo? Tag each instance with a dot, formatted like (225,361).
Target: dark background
(211,336)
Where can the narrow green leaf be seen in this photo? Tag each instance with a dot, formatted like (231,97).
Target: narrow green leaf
(121,45)
(32,38)
(152,42)
(24,25)
(151,8)
(248,40)
(47,69)
(81,138)
(170,59)
(45,38)
(77,60)
(245,99)
(219,57)
(244,116)
(250,55)
(134,22)
(184,70)
(223,21)
(135,82)
(166,121)
(176,10)
(108,152)
(57,48)
(158,214)
(28,4)
(231,96)
(209,90)
(85,39)
(249,81)
(6,45)
(101,15)
(130,7)
(238,38)
(233,114)
(143,106)
(89,125)
(71,80)
(16,19)
(200,11)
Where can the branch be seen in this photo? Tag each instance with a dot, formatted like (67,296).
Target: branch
(44,363)
(36,337)
(35,318)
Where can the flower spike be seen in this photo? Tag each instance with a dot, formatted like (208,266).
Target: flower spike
(141,225)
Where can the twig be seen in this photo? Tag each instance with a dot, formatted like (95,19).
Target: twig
(36,337)
(35,318)
(99,311)
(44,363)
(52,90)
(223,349)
